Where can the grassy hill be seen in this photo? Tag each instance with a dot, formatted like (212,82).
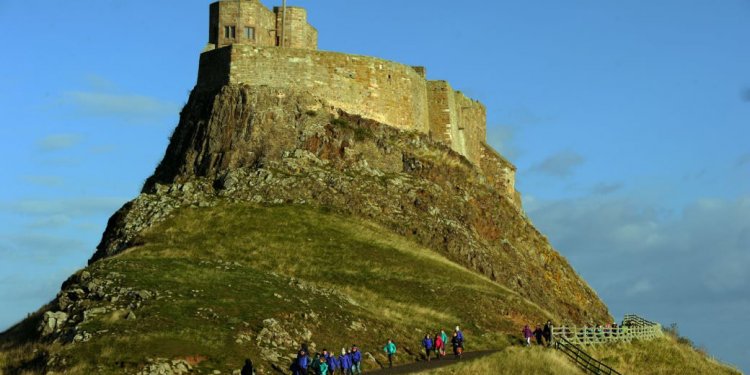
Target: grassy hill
(667,356)
(212,286)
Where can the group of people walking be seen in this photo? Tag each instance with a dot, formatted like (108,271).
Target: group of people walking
(438,343)
(543,336)
(349,362)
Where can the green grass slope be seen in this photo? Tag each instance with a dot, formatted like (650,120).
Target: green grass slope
(669,355)
(665,356)
(514,361)
(215,285)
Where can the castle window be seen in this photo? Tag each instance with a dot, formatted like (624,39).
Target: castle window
(229,32)
(250,32)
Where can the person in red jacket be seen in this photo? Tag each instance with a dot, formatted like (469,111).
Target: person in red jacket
(439,346)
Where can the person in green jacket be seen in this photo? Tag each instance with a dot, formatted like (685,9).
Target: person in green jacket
(323,368)
(390,349)
(444,337)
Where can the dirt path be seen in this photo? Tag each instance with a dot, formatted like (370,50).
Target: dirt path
(422,366)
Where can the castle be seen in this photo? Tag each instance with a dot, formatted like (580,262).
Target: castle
(251,44)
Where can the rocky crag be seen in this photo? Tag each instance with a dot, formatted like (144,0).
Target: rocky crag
(277,146)
(148,288)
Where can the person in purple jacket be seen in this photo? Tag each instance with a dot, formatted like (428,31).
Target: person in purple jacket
(345,363)
(333,363)
(527,334)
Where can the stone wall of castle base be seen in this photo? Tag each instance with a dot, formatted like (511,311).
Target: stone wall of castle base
(388,92)
(456,120)
(381,90)
(499,172)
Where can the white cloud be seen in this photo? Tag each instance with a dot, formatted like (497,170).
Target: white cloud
(743,160)
(70,206)
(38,247)
(53,221)
(128,107)
(58,142)
(700,255)
(640,287)
(604,188)
(46,181)
(501,138)
(561,164)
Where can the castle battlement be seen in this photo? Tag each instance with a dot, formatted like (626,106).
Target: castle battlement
(389,92)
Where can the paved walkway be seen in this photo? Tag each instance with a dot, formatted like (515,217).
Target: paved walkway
(424,365)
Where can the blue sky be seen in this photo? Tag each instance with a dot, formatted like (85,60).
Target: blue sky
(628,120)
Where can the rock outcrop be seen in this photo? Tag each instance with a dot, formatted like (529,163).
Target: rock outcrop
(275,146)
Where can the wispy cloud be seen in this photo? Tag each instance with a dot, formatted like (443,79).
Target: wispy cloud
(52,221)
(57,142)
(39,247)
(639,287)
(71,206)
(561,164)
(743,160)
(523,116)
(604,188)
(46,181)
(128,107)
(501,137)
(103,149)
(99,83)
(701,253)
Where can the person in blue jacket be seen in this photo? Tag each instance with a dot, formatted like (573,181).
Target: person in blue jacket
(302,362)
(356,360)
(333,363)
(427,344)
(345,362)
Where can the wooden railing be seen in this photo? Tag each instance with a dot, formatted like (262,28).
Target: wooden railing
(570,339)
(587,363)
(633,327)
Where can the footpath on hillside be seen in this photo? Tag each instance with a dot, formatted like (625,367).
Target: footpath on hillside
(433,364)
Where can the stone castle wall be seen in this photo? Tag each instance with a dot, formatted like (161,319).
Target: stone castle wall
(299,33)
(456,119)
(388,92)
(381,90)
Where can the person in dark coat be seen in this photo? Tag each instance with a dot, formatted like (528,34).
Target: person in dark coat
(547,331)
(457,348)
(538,334)
(247,369)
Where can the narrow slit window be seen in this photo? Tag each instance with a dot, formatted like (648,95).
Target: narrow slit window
(250,33)
(229,32)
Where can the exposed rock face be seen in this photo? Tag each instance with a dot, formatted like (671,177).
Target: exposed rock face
(271,146)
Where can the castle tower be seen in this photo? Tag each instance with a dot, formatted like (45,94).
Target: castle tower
(250,22)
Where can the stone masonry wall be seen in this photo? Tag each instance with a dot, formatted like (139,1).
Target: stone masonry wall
(384,91)
(442,108)
(456,120)
(500,173)
(299,33)
(471,125)
(241,14)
